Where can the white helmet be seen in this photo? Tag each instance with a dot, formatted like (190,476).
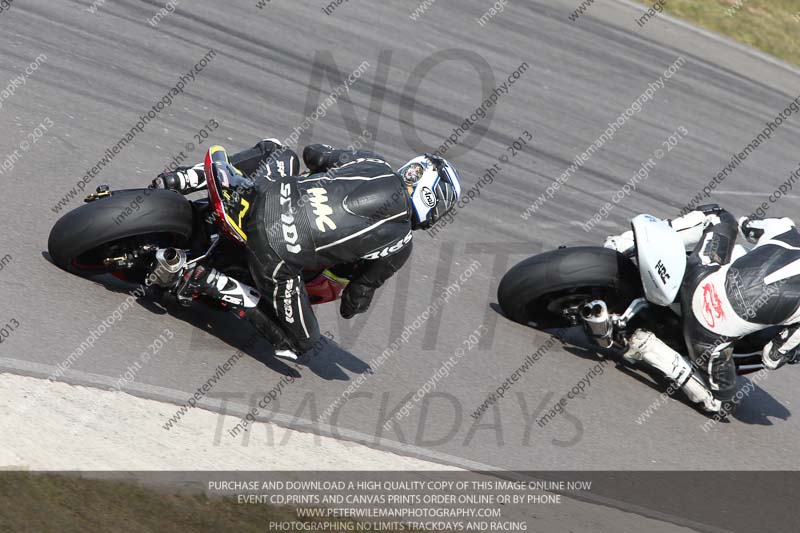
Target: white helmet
(435,188)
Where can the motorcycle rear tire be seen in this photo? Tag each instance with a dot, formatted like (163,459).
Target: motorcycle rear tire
(160,215)
(538,289)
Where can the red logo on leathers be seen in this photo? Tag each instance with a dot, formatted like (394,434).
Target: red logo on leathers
(712,305)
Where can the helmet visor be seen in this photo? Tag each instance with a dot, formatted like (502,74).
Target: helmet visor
(412,173)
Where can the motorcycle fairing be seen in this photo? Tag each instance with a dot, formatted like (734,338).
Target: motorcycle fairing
(661,257)
(226,191)
(326,287)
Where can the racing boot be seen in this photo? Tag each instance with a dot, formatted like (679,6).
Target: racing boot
(240,298)
(645,346)
(268,158)
(184,180)
(622,243)
(689,227)
(722,377)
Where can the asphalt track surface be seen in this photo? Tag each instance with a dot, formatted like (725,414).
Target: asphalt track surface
(103,70)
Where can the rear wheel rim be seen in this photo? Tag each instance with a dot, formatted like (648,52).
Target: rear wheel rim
(92,261)
(556,305)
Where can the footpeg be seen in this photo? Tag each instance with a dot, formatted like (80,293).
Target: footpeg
(103,191)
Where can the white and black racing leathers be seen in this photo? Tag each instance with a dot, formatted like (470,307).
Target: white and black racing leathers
(351,209)
(726,296)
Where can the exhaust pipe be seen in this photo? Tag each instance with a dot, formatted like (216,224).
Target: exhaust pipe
(169,264)
(597,323)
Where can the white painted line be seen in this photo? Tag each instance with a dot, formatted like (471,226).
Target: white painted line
(604,223)
(39,370)
(179,398)
(739,193)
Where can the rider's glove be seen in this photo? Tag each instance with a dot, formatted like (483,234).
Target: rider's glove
(710,209)
(752,228)
(774,357)
(356,299)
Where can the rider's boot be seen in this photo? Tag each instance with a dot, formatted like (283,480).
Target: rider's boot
(622,243)
(184,180)
(689,227)
(722,375)
(241,298)
(268,158)
(645,346)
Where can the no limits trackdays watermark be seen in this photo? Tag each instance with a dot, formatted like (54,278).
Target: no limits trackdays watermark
(474,192)
(272,395)
(442,419)
(271,398)
(469,343)
(515,376)
(482,111)
(322,109)
(432,310)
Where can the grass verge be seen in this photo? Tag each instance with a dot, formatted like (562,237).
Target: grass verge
(65,504)
(772,26)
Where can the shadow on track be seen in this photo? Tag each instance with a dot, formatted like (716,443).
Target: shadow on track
(757,407)
(329,362)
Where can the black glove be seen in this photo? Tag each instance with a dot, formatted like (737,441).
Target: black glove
(752,228)
(356,299)
(709,209)
(792,357)
(774,356)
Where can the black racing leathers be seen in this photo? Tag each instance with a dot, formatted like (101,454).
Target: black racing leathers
(352,209)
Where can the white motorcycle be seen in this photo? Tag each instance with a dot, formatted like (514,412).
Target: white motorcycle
(621,300)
